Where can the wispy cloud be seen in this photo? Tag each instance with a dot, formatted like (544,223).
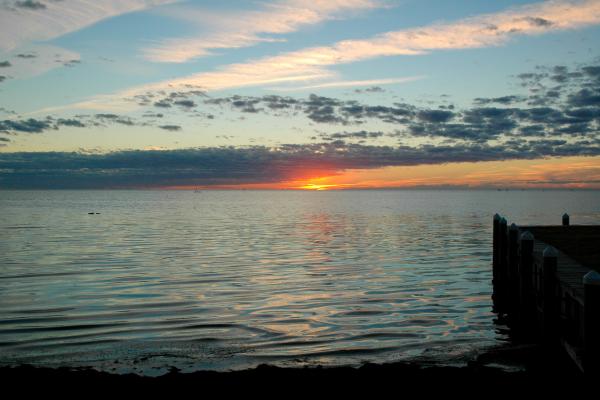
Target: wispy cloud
(341,84)
(242,29)
(38,59)
(23,22)
(314,64)
(475,32)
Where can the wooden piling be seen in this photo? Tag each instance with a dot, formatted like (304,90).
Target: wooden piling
(502,268)
(495,241)
(513,269)
(502,245)
(496,263)
(550,313)
(591,322)
(526,310)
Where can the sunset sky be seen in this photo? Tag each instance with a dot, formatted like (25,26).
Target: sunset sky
(319,94)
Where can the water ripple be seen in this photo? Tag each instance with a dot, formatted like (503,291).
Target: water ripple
(225,280)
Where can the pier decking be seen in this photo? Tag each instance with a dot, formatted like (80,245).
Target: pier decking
(547,285)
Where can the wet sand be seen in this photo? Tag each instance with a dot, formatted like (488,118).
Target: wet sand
(528,365)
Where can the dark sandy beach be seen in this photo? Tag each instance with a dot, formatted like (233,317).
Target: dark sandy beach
(509,366)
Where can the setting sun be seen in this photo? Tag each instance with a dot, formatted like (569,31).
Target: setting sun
(314,186)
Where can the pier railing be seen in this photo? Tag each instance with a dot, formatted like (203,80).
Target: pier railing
(546,286)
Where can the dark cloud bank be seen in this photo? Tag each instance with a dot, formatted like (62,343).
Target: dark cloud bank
(560,116)
(235,165)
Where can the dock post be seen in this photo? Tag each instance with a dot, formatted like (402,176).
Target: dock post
(495,251)
(495,242)
(526,310)
(591,322)
(565,219)
(502,241)
(550,311)
(512,270)
(501,274)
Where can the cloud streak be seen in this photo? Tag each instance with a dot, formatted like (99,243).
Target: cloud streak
(242,29)
(475,32)
(39,59)
(353,84)
(23,22)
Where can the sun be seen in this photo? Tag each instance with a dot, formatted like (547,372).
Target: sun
(314,186)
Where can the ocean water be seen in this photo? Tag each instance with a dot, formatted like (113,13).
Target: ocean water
(232,279)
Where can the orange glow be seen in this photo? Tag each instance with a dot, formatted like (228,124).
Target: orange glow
(314,186)
(567,173)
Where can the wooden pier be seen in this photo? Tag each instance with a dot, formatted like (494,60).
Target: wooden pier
(547,286)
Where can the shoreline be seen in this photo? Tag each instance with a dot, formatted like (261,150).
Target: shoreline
(521,364)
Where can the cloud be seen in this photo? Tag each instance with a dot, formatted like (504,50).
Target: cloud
(6,111)
(34,60)
(172,128)
(256,164)
(571,110)
(512,120)
(585,97)
(18,125)
(435,115)
(372,89)
(30,4)
(185,103)
(49,123)
(504,100)
(26,55)
(114,118)
(30,125)
(71,63)
(495,129)
(162,104)
(242,29)
(70,122)
(315,63)
(22,22)
(340,84)
(352,135)
(319,109)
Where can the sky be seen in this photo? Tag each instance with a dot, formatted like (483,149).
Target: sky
(298,94)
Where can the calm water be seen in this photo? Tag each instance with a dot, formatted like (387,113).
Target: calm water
(231,279)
